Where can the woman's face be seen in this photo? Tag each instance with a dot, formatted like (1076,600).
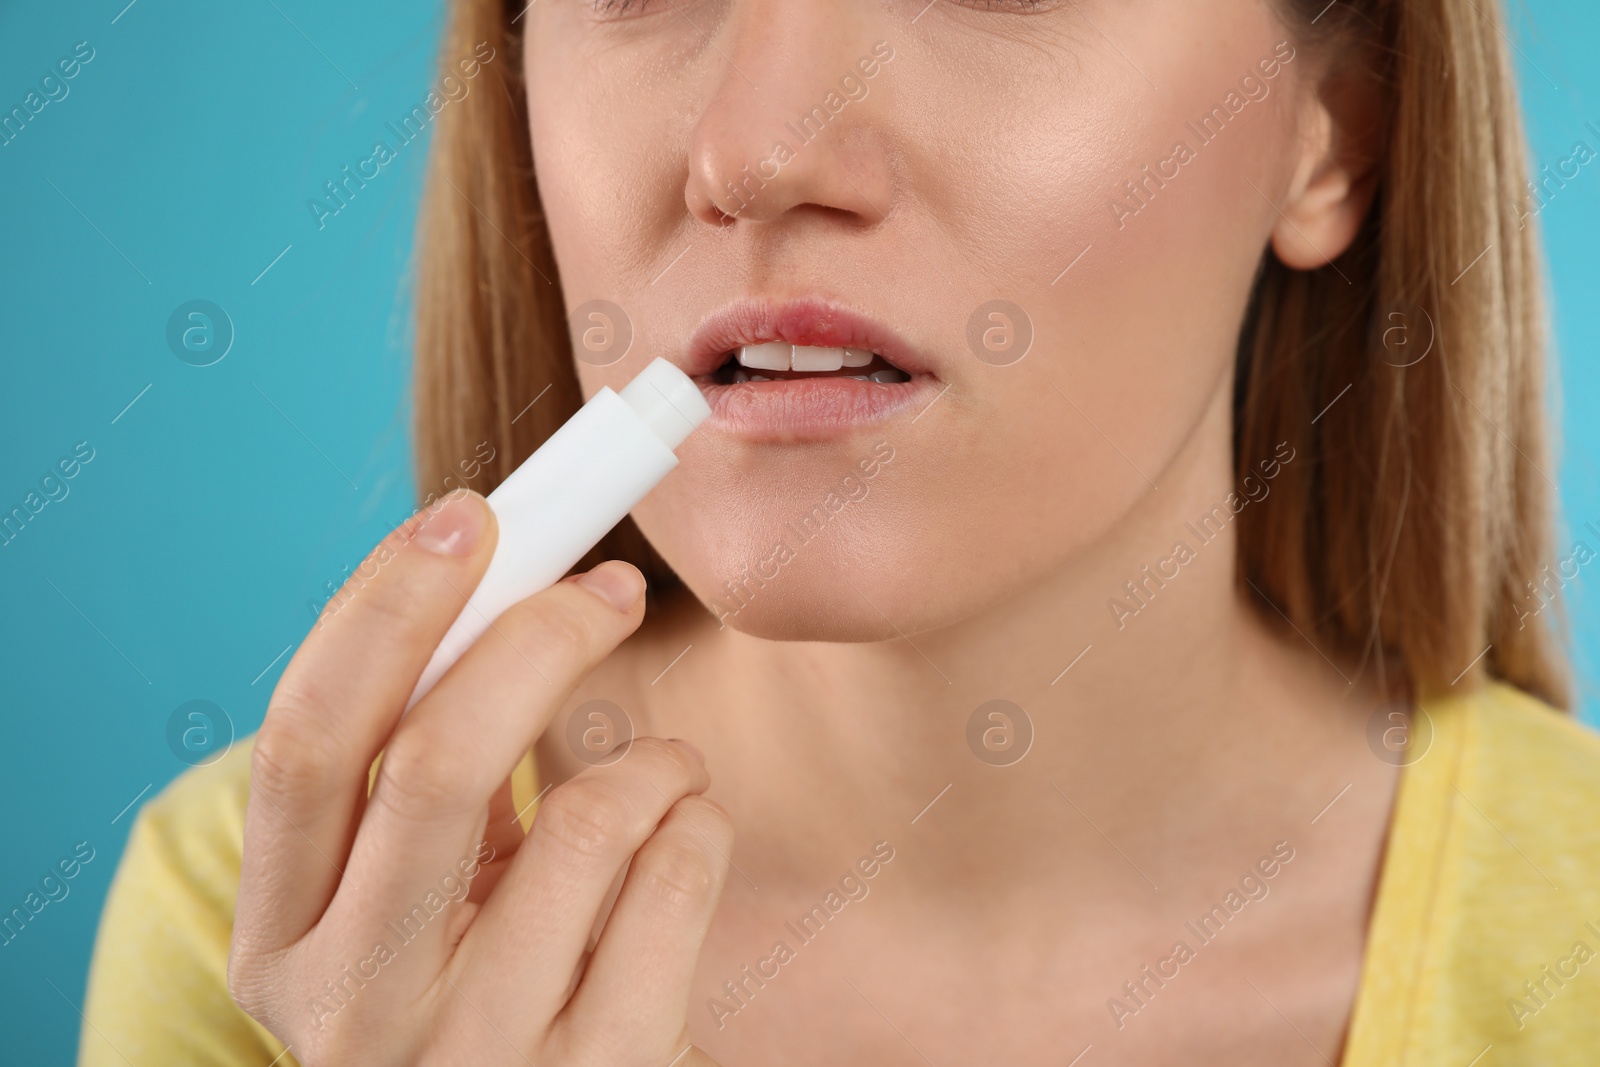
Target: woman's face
(1088,185)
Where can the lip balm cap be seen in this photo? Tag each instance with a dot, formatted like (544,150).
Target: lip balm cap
(668,401)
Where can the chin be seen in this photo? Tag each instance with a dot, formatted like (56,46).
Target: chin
(861,584)
(758,568)
(816,615)
(809,599)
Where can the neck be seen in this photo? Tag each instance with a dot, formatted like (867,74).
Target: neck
(1159,699)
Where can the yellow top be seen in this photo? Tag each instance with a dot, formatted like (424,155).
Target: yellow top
(1484,948)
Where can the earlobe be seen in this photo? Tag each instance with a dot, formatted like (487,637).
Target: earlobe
(1318,225)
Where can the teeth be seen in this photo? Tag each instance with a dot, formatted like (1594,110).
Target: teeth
(779,355)
(774,355)
(782,356)
(809,358)
(741,375)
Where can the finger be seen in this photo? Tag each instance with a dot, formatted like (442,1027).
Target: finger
(462,741)
(635,991)
(528,939)
(504,834)
(336,705)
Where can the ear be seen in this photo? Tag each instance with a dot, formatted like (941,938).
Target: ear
(1337,177)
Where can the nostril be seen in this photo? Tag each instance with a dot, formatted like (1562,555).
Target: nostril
(711,193)
(746,163)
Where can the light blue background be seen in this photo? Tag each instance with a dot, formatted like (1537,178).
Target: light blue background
(180,564)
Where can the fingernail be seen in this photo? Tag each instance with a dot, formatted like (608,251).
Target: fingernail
(615,582)
(695,752)
(456,525)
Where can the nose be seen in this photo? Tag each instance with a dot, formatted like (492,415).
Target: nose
(795,120)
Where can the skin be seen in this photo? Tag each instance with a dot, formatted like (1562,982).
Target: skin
(1183,744)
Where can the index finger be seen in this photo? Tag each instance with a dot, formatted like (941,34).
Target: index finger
(335,707)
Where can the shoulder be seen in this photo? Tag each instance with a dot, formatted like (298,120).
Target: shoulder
(158,987)
(197,824)
(1511,734)
(1486,930)
(1527,798)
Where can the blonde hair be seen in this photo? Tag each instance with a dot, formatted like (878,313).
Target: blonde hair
(1416,518)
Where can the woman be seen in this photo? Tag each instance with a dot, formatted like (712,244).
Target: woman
(1139,653)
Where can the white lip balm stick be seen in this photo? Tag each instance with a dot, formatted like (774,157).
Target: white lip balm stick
(570,493)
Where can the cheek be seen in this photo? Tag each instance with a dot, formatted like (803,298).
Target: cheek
(1135,300)
(608,162)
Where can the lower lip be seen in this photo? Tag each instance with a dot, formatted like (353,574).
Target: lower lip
(811,408)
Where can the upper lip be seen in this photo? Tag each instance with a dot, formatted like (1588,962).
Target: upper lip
(813,321)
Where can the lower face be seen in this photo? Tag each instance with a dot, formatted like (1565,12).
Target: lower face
(1031,229)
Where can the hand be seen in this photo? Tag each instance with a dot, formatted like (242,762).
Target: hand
(417,926)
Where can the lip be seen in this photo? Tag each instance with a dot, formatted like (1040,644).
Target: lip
(807,408)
